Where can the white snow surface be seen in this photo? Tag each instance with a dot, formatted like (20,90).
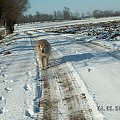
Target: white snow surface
(98,69)
(19,76)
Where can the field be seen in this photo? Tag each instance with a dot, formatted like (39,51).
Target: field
(83,77)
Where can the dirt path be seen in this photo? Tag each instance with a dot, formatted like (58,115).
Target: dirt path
(62,97)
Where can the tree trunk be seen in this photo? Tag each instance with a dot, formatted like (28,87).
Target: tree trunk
(9,25)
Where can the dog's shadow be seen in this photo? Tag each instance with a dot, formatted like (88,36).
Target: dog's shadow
(69,58)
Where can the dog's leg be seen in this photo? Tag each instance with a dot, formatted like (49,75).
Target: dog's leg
(42,63)
(47,59)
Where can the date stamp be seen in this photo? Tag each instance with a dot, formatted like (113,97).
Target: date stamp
(109,108)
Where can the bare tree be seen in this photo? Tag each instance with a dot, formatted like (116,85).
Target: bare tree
(88,14)
(58,15)
(105,13)
(75,16)
(37,16)
(97,13)
(66,13)
(55,14)
(11,9)
(83,15)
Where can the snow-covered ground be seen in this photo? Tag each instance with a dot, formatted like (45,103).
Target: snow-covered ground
(19,79)
(37,25)
(98,68)
(92,67)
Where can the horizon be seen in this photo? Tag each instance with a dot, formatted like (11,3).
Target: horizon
(48,7)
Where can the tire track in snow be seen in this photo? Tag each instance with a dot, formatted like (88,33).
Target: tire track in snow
(63,98)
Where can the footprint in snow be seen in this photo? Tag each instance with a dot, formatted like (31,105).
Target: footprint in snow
(1,98)
(2,110)
(3,75)
(27,87)
(8,89)
(29,113)
(90,69)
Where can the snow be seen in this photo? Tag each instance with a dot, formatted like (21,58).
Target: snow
(99,70)
(106,84)
(18,80)
(84,90)
(95,64)
(38,26)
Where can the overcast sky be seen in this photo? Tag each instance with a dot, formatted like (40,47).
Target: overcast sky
(81,6)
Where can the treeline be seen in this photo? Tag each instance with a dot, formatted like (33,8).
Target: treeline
(10,10)
(65,14)
(58,15)
(105,13)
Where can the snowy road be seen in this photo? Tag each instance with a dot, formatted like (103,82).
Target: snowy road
(99,69)
(97,65)
(64,96)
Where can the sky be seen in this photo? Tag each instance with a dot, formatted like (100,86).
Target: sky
(81,6)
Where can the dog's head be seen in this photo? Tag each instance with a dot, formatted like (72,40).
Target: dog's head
(43,48)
